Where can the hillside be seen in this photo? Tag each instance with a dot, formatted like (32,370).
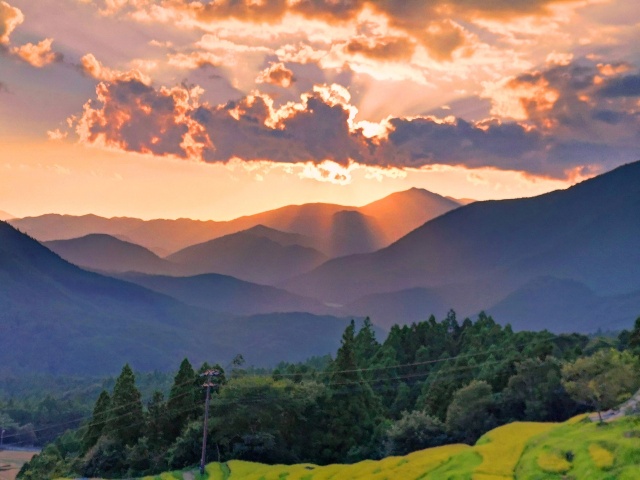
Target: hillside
(222,293)
(478,254)
(577,448)
(99,251)
(333,232)
(57,318)
(250,255)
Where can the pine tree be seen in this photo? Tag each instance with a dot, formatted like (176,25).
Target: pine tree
(353,409)
(126,420)
(184,399)
(98,420)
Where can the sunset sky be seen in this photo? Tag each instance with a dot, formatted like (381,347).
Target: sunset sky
(215,109)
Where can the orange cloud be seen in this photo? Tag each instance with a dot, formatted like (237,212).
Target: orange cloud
(10,18)
(276,74)
(91,66)
(386,48)
(37,55)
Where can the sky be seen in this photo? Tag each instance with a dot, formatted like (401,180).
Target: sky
(221,108)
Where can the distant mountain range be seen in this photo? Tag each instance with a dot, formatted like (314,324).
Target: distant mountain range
(273,286)
(335,230)
(222,293)
(474,257)
(57,318)
(5,216)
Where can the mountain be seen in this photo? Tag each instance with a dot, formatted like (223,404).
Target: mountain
(330,227)
(5,216)
(59,319)
(250,256)
(223,293)
(478,254)
(103,252)
(544,300)
(402,212)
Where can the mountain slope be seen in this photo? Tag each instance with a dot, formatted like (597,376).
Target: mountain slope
(5,216)
(402,212)
(545,300)
(57,318)
(223,293)
(369,228)
(589,233)
(103,252)
(248,256)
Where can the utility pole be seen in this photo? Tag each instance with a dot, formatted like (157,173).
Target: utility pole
(208,384)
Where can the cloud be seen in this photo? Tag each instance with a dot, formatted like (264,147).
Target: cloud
(10,18)
(386,48)
(276,74)
(91,66)
(570,119)
(38,55)
(628,86)
(135,117)
(436,24)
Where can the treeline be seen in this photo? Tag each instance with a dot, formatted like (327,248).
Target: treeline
(30,418)
(427,384)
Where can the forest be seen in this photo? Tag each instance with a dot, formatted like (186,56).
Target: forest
(427,384)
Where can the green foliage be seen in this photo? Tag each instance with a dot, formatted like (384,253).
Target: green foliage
(94,429)
(470,413)
(184,400)
(414,431)
(426,384)
(125,420)
(602,380)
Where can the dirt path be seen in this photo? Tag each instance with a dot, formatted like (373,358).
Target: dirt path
(11,462)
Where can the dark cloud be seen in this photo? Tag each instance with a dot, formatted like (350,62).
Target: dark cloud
(572,128)
(628,86)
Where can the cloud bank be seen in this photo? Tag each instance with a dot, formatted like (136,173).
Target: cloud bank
(570,115)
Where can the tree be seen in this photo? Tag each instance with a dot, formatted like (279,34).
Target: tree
(414,431)
(98,420)
(353,412)
(535,392)
(634,337)
(184,399)
(469,414)
(126,420)
(603,380)
(157,424)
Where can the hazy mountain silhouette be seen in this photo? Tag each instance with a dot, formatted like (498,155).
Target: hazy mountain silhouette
(565,305)
(335,234)
(402,212)
(99,251)
(249,255)
(5,216)
(57,318)
(223,293)
(589,233)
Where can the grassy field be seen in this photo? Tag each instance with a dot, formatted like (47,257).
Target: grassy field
(11,462)
(574,450)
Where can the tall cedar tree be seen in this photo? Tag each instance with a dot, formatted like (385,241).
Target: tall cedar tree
(126,420)
(353,410)
(184,399)
(98,421)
